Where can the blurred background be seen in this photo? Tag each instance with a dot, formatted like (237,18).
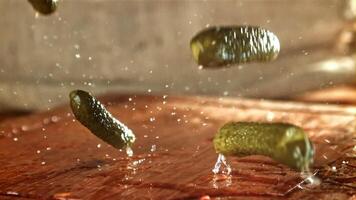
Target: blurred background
(142,47)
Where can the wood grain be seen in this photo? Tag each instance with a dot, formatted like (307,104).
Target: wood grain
(49,155)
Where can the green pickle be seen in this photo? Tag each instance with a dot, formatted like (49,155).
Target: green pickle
(44,7)
(224,46)
(285,143)
(92,114)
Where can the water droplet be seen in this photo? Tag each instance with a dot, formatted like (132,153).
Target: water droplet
(43,163)
(12,193)
(137,162)
(54,119)
(333,169)
(345,162)
(45,121)
(77,55)
(24,128)
(152,119)
(15,139)
(98,145)
(48,148)
(270,116)
(153,148)
(38,151)
(149,90)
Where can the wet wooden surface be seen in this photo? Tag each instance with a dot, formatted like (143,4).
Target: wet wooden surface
(51,156)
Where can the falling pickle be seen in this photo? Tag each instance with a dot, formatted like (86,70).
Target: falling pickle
(285,143)
(224,46)
(92,114)
(44,7)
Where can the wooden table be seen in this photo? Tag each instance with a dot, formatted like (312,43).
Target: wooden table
(49,155)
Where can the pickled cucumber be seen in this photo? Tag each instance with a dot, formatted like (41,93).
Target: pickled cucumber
(285,143)
(92,114)
(44,7)
(224,46)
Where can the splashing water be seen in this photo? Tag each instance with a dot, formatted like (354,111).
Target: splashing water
(309,181)
(221,166)
(222,170)
(129,152)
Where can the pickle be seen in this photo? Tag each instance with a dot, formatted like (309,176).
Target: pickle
(224,46)
(92,114)
(285,143)
(44,7)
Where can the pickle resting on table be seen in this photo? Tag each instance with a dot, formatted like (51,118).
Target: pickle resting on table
(285,143)
(93,115)
(224,46)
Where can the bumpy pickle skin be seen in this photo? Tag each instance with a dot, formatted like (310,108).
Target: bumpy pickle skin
(93,115)
(285,143)
(225,46)
(45,7)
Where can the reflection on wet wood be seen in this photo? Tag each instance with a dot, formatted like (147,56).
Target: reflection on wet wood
(51,156)
(336,95)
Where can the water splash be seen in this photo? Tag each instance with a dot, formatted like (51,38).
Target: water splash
(222,171)
(309,181)
(221,166)
(129,152)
